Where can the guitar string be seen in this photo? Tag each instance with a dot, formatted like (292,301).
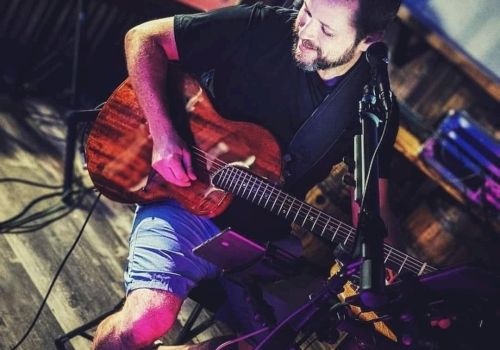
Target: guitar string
(406,260)
(222,164)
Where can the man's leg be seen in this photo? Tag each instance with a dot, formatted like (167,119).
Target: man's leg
(146,316)
(160,273)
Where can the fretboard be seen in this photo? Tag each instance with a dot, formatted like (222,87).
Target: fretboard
(256,190)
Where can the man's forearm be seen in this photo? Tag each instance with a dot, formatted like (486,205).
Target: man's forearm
(147,64)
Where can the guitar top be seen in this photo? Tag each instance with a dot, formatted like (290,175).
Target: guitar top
(119,150)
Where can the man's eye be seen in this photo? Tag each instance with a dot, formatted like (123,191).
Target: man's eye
(327,33)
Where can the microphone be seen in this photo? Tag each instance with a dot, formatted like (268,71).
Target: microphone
(377,57)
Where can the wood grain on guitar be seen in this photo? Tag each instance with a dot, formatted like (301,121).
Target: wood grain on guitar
(119,149)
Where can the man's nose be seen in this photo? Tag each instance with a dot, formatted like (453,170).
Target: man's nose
(308,30)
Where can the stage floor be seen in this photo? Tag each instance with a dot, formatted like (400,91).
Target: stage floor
(32,148)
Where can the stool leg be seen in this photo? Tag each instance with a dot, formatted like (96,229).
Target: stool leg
(182,336)
(62,340)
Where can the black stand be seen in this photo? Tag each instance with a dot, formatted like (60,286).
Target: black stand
(77,50)
(374,108)
(73,119)
(371,231)
(82,330)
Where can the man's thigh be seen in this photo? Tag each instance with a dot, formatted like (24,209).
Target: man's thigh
(161,243)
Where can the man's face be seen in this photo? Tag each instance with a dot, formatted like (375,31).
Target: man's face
(325,34)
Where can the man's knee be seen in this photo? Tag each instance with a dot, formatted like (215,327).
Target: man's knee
(146,316)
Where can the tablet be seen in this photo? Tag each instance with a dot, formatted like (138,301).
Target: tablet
(229,250)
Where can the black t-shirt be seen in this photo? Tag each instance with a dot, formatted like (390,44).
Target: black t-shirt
(243,55)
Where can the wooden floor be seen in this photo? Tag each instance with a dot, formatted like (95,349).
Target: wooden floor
(31,148)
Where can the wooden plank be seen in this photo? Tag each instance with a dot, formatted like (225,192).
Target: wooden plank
(452,53)
(19,303)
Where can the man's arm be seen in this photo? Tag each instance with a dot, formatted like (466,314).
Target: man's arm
(393,230)
(148,49)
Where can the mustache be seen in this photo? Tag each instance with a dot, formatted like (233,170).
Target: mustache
(308,44)
(305,42)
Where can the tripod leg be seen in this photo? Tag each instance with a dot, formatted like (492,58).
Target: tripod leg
(73,118)
(62,340)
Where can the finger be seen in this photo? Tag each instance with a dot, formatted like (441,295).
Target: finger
(164,169)
(186,157)
(177,167)
(174,180)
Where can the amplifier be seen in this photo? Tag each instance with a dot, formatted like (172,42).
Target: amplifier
(467,157)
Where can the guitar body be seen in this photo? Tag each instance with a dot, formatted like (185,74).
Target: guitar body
(119,149)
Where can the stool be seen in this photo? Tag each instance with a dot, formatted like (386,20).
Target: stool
(207,294)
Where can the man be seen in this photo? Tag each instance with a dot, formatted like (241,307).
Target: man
(267,65)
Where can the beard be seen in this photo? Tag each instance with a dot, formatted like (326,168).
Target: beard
(320,62)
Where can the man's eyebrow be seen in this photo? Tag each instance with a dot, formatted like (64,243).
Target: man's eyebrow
(323,24)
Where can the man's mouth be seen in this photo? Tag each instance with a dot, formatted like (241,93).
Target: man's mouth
(307,45)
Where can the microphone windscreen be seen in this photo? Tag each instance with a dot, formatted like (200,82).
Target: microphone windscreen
(377,53)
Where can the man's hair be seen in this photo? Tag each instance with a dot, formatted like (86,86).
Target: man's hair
(373,16)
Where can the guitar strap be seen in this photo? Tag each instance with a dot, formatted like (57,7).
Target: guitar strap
(320,132)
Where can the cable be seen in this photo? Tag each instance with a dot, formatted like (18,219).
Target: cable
(20,224)
(375,153)
(28,182)
(243,337)
(59,269)
(28,206)
(36,227)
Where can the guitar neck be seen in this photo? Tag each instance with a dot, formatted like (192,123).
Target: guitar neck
(254,189)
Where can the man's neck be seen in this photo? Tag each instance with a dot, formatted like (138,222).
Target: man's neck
(332,73)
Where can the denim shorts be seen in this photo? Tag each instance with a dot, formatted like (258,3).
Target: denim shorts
(160,255)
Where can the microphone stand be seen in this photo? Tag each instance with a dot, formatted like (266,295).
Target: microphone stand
(371,230)
(370,233)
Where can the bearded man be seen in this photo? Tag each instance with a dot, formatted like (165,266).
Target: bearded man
(267,65)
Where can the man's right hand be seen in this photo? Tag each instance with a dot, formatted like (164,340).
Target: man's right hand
(172,159)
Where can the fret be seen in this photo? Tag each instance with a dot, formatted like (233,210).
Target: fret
(387,256)
(324,227)
(422,269)
(315,221)
(337,230)
(282,204)
(347,238)
(306,217)
(268,195)
(262,195)
(403,264)
(251,189)
(228,172)
(249,186)
(232,179)
(223,179)
(274,203)
(289,207)
(257,191)
(241,184)
(298,211)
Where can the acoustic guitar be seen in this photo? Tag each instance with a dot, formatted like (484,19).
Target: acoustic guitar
(230,159)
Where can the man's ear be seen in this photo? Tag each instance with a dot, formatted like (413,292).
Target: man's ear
(370,39)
